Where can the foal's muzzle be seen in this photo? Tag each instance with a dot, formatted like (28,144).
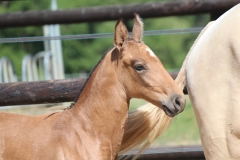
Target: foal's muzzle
(174,106)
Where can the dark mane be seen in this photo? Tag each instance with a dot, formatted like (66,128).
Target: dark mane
(89,76)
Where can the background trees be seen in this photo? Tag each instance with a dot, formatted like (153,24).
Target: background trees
(82,55)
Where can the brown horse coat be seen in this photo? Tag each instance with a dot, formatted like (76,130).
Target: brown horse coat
(93,128)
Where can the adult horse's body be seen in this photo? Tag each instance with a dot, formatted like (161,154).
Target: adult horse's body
(213,82)
(93,128)
(211,73)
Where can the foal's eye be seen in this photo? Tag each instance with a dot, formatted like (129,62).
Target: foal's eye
(139,67)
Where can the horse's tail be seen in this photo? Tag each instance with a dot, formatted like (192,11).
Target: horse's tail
(144,125)
(181,77)
(148,122)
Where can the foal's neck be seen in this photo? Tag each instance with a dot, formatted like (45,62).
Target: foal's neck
(103,103)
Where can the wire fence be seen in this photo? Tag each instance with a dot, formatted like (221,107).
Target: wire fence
(97,35)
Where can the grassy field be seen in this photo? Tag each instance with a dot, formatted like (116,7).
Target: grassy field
(183,130)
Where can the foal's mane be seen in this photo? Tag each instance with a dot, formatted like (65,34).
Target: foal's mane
(89,76)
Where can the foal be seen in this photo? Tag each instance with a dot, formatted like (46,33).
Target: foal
(93,128)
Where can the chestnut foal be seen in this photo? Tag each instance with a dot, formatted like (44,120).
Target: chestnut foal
(93,128)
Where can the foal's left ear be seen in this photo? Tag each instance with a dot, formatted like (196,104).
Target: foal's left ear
(137,28)
(120,35)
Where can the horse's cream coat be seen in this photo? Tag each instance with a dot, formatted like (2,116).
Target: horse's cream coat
(213,82)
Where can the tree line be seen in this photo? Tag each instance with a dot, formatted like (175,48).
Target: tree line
(82,55)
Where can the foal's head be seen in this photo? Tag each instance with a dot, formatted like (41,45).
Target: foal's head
(141,73)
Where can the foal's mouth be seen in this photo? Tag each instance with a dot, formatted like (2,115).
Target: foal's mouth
(173,107)
(169,112)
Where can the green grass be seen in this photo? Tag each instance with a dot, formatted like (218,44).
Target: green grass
(182,131)
(135,103)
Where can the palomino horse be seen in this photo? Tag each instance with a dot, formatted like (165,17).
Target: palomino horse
(211,72)
(93,128)
(213,82)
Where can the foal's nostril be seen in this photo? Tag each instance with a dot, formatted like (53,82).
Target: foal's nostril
(177,101)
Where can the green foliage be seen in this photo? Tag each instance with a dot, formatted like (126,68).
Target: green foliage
(82,55)
(171,49)
(16,51)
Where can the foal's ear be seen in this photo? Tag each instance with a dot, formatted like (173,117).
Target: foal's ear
(120,35)
(137,28)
